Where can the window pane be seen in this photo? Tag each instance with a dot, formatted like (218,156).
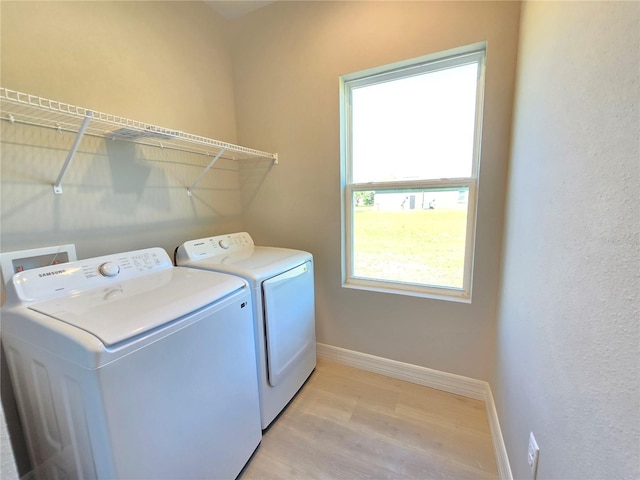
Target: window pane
(414,236)
(418,127)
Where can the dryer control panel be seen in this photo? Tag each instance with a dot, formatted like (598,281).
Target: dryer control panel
(67,278)
(213,246)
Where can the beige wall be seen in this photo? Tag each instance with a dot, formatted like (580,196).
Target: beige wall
(165,63)
(567,365)
(287,59)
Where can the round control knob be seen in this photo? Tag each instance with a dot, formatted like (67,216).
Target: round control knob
(109,269)
(224,243)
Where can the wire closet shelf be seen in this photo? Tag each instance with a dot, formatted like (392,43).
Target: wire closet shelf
(18,107)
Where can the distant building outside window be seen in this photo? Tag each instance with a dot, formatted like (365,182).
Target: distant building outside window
(410,157)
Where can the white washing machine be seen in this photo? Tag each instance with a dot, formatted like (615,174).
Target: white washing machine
(281,281)
(127,367)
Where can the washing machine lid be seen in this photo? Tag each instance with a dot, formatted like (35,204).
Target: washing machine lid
(123,310)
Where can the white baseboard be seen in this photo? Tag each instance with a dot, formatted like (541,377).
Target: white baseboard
(502,459)
(447,382)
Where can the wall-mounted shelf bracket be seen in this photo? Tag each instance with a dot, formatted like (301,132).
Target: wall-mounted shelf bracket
(57,187)
(203,173)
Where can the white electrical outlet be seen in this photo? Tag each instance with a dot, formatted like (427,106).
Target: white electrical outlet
(533,454)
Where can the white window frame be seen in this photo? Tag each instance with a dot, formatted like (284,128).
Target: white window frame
(455,57)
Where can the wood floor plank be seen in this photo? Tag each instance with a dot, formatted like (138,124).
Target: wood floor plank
(348,424)
(466,449)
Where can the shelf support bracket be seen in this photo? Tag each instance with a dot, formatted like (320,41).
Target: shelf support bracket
(203,173)
(57,187)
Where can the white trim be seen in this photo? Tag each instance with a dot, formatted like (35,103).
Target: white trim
(447,382)
(502,458)
(471,49)
(457,57)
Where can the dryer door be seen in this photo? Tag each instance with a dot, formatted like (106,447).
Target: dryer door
(289,314)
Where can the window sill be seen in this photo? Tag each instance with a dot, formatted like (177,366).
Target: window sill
(455,295)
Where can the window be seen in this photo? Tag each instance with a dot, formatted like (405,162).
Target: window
(410,156)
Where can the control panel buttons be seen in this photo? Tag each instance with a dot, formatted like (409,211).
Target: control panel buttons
(109,269)
(224,243)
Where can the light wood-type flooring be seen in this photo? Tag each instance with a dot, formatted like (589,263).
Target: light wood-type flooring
(350,424)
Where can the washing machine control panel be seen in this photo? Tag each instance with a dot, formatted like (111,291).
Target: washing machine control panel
(213,246)
(62,279)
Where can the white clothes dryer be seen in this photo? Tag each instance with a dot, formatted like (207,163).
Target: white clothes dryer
(125,366)
(282,286)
